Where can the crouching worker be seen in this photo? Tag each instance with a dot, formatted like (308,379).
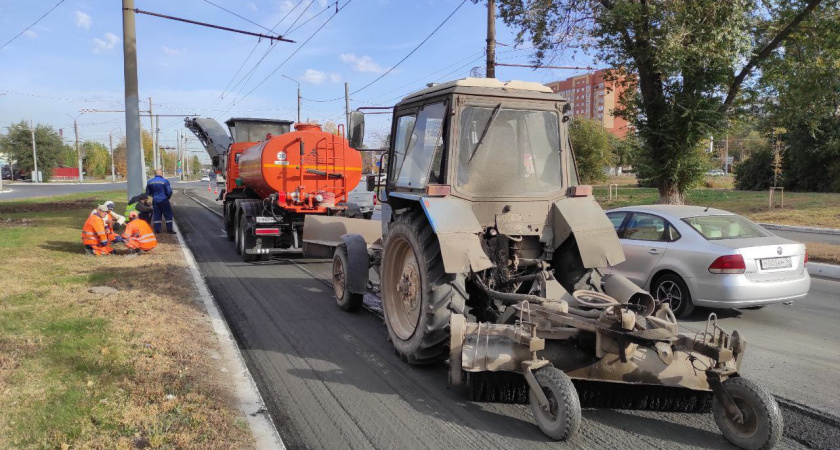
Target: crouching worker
(94,235)
(138,235)
(142,204)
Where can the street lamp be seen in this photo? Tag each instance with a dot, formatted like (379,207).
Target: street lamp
(298,94)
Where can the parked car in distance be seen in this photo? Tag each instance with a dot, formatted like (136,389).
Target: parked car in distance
(205,178)
(364,198)
(715,173)
(696,256)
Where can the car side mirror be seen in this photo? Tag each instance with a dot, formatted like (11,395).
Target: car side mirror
(356,133)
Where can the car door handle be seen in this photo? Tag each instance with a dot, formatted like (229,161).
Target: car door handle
(653,251)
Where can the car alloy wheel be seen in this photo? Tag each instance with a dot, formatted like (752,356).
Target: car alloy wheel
(669,292)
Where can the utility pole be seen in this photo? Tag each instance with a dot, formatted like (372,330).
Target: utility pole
(298,95)
(111,147)
(726,155)
(135,172)
(346,108)
(491,38)
(159,160)
(78,152)
(35,177)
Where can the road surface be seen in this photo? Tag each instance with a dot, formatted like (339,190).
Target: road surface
(808,237)
(330,379)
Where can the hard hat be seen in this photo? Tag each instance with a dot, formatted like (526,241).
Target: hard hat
(110,205)
(133,214)
(103,208)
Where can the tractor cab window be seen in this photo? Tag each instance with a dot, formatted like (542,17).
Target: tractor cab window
(418,143)
(508,152)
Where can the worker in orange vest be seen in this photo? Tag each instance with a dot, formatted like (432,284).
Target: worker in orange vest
(94,235)
(138,234)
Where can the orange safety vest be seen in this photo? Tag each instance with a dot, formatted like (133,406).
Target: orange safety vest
(93,232)
(138,234)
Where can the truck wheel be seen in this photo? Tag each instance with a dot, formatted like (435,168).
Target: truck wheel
(243,239)
(237,234)
(670,288)
(762,424)
(562,420)
(416,292)
(346,300)
(228,220)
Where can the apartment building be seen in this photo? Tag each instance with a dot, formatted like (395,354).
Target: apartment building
(594,97)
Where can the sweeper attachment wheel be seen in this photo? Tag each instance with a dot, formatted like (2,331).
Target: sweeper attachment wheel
(560,418)
(760,424)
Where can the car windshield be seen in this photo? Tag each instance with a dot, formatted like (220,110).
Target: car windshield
(508,151)
(725,227)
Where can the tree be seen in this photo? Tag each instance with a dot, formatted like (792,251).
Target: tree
(684,63)
(591,145)
(624,150)
(195,166)
(17,144)
(97,161)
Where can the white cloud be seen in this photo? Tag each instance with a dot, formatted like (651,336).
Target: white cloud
(252,6)
(335,77)
(313,76)
(30,34)
(362,64)
(174,51)
(83,20)
(286,6)
(103,45)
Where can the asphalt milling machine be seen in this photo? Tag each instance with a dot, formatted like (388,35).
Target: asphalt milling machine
(491,255)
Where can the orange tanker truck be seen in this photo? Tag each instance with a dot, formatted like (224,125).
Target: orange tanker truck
(275,176)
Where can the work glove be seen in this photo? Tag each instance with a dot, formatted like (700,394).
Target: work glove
(119,239)
(103,243)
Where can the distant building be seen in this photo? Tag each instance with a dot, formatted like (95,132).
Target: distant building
(594,97)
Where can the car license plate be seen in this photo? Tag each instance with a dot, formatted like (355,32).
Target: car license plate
(776,263)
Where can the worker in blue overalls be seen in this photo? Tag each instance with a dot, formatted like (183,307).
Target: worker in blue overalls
(159,189)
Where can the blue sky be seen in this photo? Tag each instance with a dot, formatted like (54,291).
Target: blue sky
(72,60)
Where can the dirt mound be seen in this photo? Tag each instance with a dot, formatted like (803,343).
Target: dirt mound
(12,208)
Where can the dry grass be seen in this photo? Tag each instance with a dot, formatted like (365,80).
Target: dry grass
(824,253)
(132,370)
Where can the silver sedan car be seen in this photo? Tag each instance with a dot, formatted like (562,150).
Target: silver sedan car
(695,256)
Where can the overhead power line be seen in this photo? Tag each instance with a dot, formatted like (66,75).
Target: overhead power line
(33,24)
(237,15)
(404,58)
(210,25)
(293,53)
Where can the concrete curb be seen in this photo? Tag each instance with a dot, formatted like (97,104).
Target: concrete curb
(773,226)
(250,401)
(824,270)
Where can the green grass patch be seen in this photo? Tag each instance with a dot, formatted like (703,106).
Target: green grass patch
(84,370)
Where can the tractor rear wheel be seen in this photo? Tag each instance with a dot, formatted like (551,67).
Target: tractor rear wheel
(416,291)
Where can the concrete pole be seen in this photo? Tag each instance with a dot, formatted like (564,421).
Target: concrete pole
(298,89)
(491,39)
(726,155)
(111,147)
(155,162)
(35,177)
(78,152)
(135,172)
(346,108)
(156,127)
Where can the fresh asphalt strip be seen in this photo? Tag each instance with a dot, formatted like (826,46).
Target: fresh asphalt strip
(325,413)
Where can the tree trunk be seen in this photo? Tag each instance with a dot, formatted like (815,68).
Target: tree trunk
(669,194)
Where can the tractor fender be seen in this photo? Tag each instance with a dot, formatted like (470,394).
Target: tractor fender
(457,230)
(358,263)
(596,238)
